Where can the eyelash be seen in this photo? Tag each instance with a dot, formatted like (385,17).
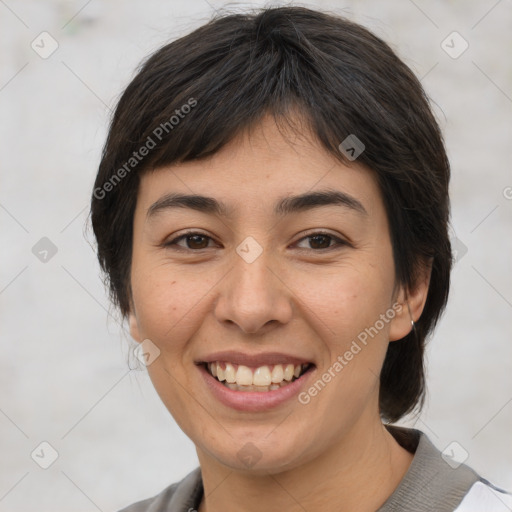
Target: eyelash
(173,243)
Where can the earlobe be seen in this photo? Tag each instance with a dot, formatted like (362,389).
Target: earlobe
(412,303)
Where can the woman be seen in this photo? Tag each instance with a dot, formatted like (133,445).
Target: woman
(271,213)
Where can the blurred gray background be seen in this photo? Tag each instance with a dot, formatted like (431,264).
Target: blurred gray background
(64,373)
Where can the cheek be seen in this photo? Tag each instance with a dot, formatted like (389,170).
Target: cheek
(344,309)
(170,308)
(345,301)
(168,303)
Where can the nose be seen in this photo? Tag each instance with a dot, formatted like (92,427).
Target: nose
(253,296)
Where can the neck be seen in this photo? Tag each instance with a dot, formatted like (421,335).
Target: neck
(358,473)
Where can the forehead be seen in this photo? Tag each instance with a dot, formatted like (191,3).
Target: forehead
(259,168)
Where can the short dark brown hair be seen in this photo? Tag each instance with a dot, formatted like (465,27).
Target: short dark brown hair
(195,94)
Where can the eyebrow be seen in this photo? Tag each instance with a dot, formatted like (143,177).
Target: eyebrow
(285,206)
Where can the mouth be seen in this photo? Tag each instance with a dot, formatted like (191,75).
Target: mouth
(266,378)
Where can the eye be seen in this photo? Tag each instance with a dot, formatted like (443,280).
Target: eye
(193,240)
(319,241)
(196,241)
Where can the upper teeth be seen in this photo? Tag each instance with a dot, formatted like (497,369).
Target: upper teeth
(261,376)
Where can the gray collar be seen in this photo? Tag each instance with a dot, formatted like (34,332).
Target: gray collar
(430,482)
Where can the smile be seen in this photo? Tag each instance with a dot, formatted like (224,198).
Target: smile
(238,377)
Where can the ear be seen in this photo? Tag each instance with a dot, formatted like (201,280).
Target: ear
(134,325)
(132,318)
(412,300)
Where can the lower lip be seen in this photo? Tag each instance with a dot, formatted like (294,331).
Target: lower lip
(254,401)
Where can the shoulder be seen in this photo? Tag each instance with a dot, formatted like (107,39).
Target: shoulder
(177,497)
(485,497)
(435,481)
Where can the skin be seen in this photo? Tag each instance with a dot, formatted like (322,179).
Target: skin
(297,297)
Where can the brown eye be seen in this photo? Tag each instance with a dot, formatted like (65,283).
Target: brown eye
(197,241)
(191,241)
(320,241)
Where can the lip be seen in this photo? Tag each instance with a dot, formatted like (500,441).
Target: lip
(254,401)
(253,360)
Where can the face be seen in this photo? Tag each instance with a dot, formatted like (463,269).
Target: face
(284,259)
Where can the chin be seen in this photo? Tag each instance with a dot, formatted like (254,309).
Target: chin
(260,456)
